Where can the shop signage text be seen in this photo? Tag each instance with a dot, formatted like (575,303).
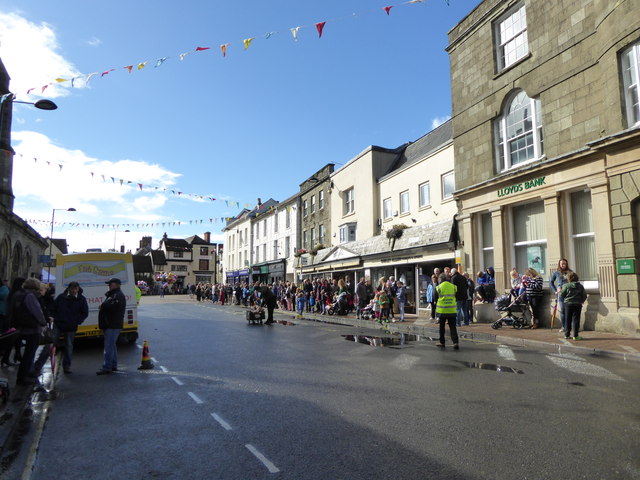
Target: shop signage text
(536,182)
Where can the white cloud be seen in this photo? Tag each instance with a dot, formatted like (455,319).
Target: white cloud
(94,42)
(436,122)
(30,53)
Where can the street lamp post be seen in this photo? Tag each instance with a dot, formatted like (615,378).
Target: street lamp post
(53,216)
(115,232)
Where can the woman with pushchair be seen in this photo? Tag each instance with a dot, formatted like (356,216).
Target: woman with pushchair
(532,282)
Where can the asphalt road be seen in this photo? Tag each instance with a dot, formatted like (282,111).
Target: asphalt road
(231,401)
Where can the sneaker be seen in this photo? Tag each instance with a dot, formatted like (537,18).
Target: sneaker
(568,337)
(577,338)
(456,346)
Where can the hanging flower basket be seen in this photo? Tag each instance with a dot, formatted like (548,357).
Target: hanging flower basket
(395,232)
(316,248)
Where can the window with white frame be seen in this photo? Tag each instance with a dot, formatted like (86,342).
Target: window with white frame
(511,37)
(264,252)
(448,185)
(349,202)
(321,235)
(425,194)
(276,217)
(404,202)
(386,209)
(287,247)
(530,237)
(348,232)
(518,132)
(257,225)
(313,238)
(239,238)
(630,78)
(583,236)
(305,208)
(287,218)
(313,203)
(257,254)
(486,235)
(264,227)
(275,249)
(305,240)
(320,199)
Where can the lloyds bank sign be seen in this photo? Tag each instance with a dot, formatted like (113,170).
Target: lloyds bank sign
(510,190)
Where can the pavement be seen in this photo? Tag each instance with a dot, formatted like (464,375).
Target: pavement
(614,345)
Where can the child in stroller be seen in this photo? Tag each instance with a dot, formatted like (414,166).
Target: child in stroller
(367,312)
(516,313)
(340,306)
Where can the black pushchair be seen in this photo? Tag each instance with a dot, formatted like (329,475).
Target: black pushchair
(340,306)
(516,313)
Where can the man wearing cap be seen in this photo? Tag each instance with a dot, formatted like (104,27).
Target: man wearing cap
(111,321)
(71,309)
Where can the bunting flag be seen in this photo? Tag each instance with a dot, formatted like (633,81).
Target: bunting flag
(111,226)
(141,186)
(246,42)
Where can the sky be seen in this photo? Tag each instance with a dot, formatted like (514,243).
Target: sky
(148,150)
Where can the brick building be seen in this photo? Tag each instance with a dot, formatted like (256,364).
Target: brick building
(547,145)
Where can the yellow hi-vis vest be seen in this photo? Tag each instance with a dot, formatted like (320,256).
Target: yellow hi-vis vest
(446,298)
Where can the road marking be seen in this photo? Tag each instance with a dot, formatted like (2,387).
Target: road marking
(163,369)
(629,349)
(139,346)
(583,367)
(265,461)
(218,419)
(195,398)
(154,359)
(506,353)
(177,380)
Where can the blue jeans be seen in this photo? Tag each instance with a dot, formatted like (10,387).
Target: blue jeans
(68,348)
(110,349)
(462,314)
(401,310)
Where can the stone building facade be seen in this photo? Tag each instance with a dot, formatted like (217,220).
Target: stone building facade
(545,127)
(315,213)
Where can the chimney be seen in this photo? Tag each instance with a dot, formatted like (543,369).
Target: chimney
(259,202)
(145,242)
(207,237)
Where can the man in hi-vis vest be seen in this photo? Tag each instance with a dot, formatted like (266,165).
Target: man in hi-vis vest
(446,309)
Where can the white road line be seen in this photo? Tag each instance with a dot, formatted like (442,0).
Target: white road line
(163,369)
(154,359)
(583,367)
(195,398)
(218,419)
(265,461)
(139,346)
(177,380)
(629,349)
(506,353)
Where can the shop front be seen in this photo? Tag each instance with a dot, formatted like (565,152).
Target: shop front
(277,272)
(238,276)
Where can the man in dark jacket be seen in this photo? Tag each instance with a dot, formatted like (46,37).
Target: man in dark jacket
(111,321)
(71,309)
(268,300)
(362,296)
(462,314)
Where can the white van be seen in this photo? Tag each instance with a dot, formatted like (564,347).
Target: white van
(91,271)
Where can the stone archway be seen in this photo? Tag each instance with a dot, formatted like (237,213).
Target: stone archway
(16,261)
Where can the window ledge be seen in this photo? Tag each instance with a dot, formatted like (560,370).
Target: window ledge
(426,207)
(513,65)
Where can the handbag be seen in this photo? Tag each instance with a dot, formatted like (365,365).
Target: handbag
(46,336)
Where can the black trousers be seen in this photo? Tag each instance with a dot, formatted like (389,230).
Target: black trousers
(449,318)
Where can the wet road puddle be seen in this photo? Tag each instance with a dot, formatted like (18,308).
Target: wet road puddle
(492,366)
(394,341)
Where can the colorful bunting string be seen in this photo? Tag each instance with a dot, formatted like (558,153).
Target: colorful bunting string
(223,47)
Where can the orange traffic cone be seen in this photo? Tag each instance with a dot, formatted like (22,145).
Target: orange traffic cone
(146,363)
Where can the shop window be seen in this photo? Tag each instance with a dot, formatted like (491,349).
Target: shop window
(630,76)
(448,185)
(321,199)
(386,209)
(349,202)
(486,235)
(530,237)
(518,132)
(348,232)
(425,194)
(511,37)
(583,236)
(404,202)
